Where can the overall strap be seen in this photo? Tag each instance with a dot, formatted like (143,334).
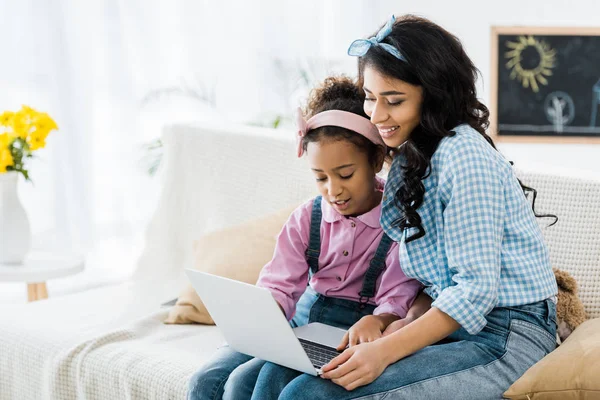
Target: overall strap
(314,242)
(376,267)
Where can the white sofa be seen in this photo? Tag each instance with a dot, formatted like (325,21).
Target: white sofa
(110,343)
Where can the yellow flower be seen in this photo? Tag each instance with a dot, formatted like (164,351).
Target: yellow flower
(33,126)
(24,126)
(6,159)
(21,123)
(6,118)
(43,122)
(37,140)
(27,113)
(4,141)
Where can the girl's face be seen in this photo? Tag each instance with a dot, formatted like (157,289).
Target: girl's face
(394,106)
(345,178)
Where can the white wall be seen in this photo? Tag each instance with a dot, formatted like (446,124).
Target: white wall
(261,30)
(471,21)
(578,156)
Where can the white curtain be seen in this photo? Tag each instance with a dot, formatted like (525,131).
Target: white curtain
(90,193)
(112,72)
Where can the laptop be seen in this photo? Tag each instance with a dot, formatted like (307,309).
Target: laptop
(253,324)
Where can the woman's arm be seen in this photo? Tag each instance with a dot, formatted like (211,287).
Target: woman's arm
(432,327)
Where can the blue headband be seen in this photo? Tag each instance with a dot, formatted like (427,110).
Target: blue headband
(360,47)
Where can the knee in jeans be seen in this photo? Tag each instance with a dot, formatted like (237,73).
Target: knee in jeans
(293,391)
(269,368)
(195,384)
(206,383)
(236,379)
(242,380)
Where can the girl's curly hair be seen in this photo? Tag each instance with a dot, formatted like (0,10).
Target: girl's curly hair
(340,93)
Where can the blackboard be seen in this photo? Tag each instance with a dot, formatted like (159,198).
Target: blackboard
(545,84)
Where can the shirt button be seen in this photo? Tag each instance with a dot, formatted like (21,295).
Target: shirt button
(384,198)
(339,278)
(352,224)
(345,252)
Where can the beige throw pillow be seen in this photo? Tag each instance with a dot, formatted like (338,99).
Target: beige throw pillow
(239,253)
(572,371)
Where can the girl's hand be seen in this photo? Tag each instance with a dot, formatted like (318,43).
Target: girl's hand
(357,366)
(367,329)
(396,325)
(420,306)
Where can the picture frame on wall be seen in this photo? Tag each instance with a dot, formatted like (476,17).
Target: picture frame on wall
(545,84)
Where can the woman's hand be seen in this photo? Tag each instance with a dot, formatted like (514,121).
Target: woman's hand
(367,329)
(357,366)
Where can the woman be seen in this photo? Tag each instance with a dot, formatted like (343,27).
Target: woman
(465,230)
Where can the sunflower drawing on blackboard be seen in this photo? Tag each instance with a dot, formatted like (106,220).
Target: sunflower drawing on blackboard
(530,61)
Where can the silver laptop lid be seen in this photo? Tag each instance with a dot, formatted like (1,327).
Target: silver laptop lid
(251,320)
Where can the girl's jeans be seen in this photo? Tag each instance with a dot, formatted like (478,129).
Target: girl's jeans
(232,375)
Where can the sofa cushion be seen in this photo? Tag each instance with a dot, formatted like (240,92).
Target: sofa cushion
(238,253)
(571,371)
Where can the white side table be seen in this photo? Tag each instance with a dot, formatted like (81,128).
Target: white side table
(37,268)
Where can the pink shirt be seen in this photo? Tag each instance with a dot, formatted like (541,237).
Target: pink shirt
(347,246)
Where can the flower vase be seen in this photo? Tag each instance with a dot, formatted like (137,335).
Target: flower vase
(15,231)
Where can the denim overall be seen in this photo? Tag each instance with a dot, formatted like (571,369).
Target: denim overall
(315,307)
(232,375)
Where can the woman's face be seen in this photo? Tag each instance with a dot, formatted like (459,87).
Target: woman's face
(394,106)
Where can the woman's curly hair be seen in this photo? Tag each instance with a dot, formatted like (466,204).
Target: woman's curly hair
(437,62)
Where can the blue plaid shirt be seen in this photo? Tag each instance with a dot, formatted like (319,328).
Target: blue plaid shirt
(482,246)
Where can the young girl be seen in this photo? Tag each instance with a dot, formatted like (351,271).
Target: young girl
(465,230)
(334,242)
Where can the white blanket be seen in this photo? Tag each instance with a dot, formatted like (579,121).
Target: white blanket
(108,343)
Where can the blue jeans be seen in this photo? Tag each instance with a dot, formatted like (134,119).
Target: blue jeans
(462,366)
(232,375)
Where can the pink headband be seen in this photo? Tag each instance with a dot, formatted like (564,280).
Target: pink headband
(343,119)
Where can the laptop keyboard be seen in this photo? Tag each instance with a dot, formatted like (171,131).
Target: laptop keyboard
(318,354)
